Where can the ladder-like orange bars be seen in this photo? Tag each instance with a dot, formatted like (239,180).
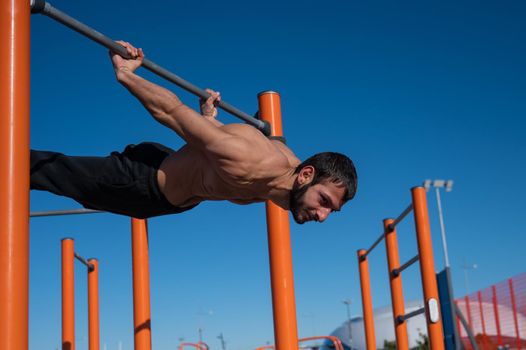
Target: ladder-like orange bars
(93,305)
(14,173)
(141,286)
(395,282)
(435,331)
(367,301)
(280,252)
(68,294)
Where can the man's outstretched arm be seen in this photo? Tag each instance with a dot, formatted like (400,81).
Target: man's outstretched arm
(164,105)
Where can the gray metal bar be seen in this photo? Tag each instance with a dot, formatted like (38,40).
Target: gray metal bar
(397,271)
(85,262)
(401,217)
(42,7)
(64,212)
(405,317)
(465,324)
(378,240)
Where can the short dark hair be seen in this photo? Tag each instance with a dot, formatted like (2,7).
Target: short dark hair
(333,167)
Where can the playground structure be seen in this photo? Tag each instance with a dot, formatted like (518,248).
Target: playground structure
(335,341)
(431,307)
(14,187)
(199,345)
(68,297)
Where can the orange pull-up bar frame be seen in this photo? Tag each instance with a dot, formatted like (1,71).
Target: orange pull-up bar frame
(280,251)
(428,276)
(435,330)
(93,305)
(367,301)
(68,297)
(14,173)
(68,294)
(395,282)
(141,285)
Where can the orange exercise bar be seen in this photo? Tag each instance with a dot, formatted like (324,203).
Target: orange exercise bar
(280,251)
(397,294)
(68,294)
(141,285)
(14,173)
(93,305)
(367,300)
(435,331)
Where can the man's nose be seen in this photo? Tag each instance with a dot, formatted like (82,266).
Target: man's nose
(322,214)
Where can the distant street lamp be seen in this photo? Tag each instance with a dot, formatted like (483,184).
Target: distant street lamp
(467,267)
(347,303)
(448,185)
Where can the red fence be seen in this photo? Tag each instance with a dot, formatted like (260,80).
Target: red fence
(496,315)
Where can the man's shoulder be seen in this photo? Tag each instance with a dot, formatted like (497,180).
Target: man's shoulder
(241,129)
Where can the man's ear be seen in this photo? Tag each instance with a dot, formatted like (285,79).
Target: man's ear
(306,175)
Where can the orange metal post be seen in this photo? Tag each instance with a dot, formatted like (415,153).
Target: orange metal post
(479,296)
(397,294)
(93,305)
(468,311)
(14,173)
(280,252)
(514,308)
(496,312)
(367,301)
(68,294)
(141,286)
(427,269)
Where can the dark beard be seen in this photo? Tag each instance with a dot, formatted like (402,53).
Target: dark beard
(295,201)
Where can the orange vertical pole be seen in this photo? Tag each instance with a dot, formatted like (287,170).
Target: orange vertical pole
(397,294)
(68,294)
(427,269)
(141,286)
(479,296)
(482,321)
(367,301)
(497,317)
(14,173)
(280,251)
(93,305)
(468,311)
(514,308)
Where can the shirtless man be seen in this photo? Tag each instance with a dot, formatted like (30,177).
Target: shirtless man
(234,162)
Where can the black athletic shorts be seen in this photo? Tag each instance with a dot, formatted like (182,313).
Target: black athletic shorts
(121,183)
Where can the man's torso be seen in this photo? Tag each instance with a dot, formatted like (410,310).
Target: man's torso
(189,176)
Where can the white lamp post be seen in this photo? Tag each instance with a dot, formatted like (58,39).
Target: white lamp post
(448,185)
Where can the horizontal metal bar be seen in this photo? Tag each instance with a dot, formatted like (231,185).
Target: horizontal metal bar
(397,271)
(64,212)
(403,318)
(401,217)
(45,8)
(85,262)
(378,240)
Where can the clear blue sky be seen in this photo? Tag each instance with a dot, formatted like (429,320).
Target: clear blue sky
(410,90)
